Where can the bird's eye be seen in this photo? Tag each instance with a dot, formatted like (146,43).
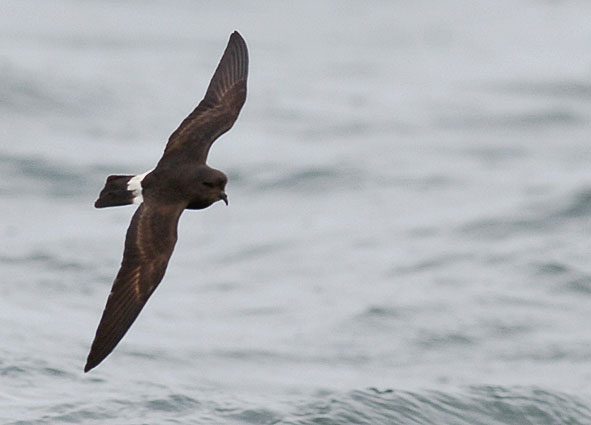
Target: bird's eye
(208,184)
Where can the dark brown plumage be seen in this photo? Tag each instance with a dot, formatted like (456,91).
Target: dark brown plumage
(180,181)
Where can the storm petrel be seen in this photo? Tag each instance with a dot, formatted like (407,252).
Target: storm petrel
(181,180)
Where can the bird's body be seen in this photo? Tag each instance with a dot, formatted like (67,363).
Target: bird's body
(181,180)
(195,186)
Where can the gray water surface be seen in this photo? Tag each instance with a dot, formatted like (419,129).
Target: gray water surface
(407,240)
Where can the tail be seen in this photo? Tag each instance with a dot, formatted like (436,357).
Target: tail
(117,192)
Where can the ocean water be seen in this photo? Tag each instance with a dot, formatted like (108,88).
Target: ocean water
(407,240)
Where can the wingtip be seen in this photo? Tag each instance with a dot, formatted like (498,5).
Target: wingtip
(237,36)
(91,362)
(95,357)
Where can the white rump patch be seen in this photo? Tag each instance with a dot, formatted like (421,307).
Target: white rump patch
(135,185)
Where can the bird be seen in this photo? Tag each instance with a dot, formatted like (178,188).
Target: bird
(181,180)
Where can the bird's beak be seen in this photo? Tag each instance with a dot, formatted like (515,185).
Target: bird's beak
(224,197)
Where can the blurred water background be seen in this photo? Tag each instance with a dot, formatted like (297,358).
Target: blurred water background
(407,240)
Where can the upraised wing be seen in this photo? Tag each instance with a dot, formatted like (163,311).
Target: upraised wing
(220,107)
(149,243)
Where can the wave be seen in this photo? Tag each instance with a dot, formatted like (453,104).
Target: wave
(479,405)
(563,211)
(488,405)
(36,176)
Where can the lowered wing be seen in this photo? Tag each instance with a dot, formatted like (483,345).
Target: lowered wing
(149,243)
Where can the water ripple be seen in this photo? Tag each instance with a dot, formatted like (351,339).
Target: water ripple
(575,207)
(33,176)
(476,405)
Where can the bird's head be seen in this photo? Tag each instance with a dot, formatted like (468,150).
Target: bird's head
(209,186)
(213,186)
